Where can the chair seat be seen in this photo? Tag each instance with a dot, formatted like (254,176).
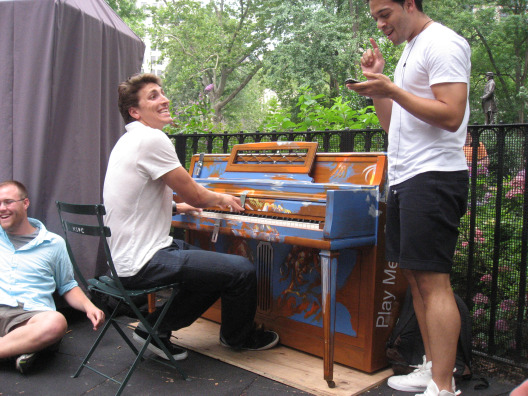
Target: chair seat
(108,285)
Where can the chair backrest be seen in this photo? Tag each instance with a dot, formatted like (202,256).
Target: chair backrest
(92,214)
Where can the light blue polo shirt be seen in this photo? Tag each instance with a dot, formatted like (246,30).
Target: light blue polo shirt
(31,274)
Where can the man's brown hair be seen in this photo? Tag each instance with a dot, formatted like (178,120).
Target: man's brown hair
(22,190)
(128,93)
(418,4)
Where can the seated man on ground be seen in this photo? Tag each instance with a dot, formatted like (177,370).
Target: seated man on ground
(34,263)
(143,171)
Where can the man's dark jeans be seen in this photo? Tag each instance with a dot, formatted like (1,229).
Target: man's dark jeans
(204,276)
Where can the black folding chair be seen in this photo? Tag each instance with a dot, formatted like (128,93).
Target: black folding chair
(111,286)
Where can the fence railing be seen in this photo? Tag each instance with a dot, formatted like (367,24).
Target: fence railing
(489,271)
(329,141)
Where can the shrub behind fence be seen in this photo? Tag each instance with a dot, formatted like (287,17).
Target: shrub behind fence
(490,261)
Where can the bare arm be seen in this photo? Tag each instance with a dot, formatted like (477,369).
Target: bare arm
(195,194)
(445,111)
(183,207)
(383,108)
(78,300)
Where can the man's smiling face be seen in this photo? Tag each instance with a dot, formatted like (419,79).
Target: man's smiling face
(13,209)
(153,107)
(392,19)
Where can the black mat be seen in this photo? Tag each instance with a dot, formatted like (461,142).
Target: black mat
(51,374)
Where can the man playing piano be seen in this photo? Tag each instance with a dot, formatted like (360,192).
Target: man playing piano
(425,112)
(143,171)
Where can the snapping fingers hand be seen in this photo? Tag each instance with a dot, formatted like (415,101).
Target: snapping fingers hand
(372,60)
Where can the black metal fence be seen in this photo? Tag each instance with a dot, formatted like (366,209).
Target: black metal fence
(491,257)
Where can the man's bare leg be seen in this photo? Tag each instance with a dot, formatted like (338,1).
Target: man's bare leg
(42,330)
(419,310)
(442,320)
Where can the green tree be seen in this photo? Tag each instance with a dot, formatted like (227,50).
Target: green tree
(216,48)
(321,46)
(498,34)
(503,34)
(316,112)
(236,49)
(133,16)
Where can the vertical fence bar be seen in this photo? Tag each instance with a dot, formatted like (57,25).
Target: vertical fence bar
(181,148)
(474,132)
(500,133)
(326,141)
(521,302)
(225,143)
(344,141)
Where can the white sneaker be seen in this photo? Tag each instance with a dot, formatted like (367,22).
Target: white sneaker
(416,381)
(432,390)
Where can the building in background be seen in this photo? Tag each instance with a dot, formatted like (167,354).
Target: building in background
(152,62)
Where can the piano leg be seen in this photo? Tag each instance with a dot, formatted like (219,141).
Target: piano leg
(328,279)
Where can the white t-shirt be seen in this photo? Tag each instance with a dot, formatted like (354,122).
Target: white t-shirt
(436,55)
(138,202)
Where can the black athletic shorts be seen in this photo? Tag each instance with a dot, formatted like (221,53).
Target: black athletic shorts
(423,216)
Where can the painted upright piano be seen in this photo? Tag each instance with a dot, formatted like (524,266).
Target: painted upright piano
(313,226)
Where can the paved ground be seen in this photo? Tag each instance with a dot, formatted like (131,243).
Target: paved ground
(51,375)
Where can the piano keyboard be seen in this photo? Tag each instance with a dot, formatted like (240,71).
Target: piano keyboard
(264,219)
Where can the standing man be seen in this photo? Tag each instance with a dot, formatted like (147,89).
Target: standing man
(488,99)
(34,263)
(425,112)
(143,171)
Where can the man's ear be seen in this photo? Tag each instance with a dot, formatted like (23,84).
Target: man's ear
(134,113)
(26,203)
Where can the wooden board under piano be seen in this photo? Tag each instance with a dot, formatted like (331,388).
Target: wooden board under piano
(281,364)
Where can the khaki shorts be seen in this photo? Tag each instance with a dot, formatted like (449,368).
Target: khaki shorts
(12,316)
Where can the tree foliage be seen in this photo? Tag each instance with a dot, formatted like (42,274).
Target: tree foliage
(133,16)
(219,46)
(498,34)
(316,112)
(320,46)
(225,53)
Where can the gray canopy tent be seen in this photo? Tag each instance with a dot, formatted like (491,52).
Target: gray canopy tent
(60,63)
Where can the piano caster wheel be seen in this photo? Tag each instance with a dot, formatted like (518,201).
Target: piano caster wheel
(331,384)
